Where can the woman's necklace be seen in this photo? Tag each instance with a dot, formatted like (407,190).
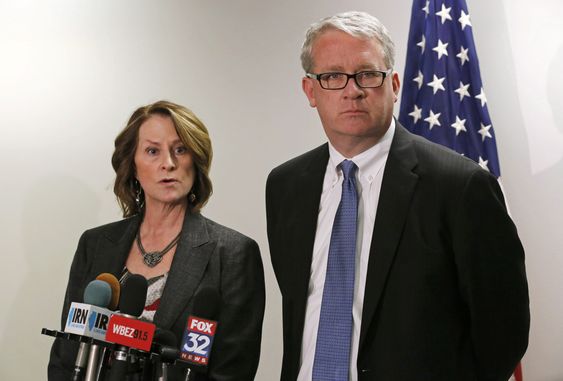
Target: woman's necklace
(154,257)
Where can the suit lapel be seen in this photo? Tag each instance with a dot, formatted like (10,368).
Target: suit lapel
(397,188)
(307,199)
(187,269)
(306,196)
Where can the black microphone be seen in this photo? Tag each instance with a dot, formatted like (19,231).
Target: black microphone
(163,350)
(131,305)
(97,293)
(165,346)
(200,331)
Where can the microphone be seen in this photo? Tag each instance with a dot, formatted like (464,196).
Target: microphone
(165,344)
(87,319)
(200,330)
(95,359)
(115,289)
(125,329)
(165,347)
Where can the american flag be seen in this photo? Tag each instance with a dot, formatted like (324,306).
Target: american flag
(443,97)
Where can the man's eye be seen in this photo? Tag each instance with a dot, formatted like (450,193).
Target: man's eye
(370,74)
(333,76)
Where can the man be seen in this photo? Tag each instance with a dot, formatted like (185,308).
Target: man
(395,257)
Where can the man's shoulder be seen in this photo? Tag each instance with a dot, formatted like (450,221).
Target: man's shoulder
(315,157)
(436,157)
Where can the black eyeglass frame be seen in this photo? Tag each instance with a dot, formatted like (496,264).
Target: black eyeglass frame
(384,73)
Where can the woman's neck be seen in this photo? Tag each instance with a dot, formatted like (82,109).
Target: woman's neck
(165,218)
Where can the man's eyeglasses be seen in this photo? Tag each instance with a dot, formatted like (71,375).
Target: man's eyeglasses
(338,81)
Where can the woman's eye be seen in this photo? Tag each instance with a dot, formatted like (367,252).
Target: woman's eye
(151,151)
(181,150)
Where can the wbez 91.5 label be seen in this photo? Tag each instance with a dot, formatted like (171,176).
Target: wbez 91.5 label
(132,333)
(198,339)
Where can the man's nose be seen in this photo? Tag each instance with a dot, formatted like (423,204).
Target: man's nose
(352,90)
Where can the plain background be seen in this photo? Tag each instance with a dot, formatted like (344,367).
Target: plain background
(71,73)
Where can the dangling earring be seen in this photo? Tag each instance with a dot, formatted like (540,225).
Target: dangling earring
(191,197)
(139,199)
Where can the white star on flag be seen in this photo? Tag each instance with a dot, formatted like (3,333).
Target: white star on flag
(436,84)
(419,78)
(426,8)
(444,13)
(483,163)
(441,49)
(459,125)
(416,113)
(433,119)
(462,90)
(484,131)
(422,43)
(482,97)
(464,20)
(463,55)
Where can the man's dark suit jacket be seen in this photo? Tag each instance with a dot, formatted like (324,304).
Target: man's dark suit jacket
(207,255)
(446,295)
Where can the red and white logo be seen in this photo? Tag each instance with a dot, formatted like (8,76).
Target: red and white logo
(132,333)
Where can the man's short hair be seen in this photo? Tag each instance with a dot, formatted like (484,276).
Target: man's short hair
(357,24)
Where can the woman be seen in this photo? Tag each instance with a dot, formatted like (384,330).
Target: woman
(162,161)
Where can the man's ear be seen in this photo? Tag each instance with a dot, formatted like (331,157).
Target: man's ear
(396,84)
(308,88)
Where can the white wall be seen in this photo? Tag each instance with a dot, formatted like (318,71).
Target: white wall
(71,72)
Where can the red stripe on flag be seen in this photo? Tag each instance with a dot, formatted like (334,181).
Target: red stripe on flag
(518,373)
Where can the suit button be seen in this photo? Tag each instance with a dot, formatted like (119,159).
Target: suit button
(364,375)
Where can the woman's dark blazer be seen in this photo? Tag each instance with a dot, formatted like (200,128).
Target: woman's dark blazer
(207,255)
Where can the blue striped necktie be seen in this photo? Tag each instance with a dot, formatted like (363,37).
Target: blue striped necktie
(332,353)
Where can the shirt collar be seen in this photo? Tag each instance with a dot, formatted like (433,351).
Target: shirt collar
(368,162)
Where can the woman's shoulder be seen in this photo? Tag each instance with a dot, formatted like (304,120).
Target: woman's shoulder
(222,232)
(233,247)
(113,230)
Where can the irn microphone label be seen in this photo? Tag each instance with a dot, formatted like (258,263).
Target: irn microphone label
(88,320)
(198,339)
(132,333)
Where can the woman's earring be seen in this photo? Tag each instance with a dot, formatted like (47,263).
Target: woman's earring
(191,197)
(138,195)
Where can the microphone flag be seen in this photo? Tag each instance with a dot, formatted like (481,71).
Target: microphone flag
(88,320)
(129,332)
(198,339)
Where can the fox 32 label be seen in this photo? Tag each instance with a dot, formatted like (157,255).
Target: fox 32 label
(198,339)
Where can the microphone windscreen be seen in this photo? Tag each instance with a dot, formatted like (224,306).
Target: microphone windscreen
(166,345)
(115,289)
(164,337)
(133,295)
(206,303)
(97,293)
